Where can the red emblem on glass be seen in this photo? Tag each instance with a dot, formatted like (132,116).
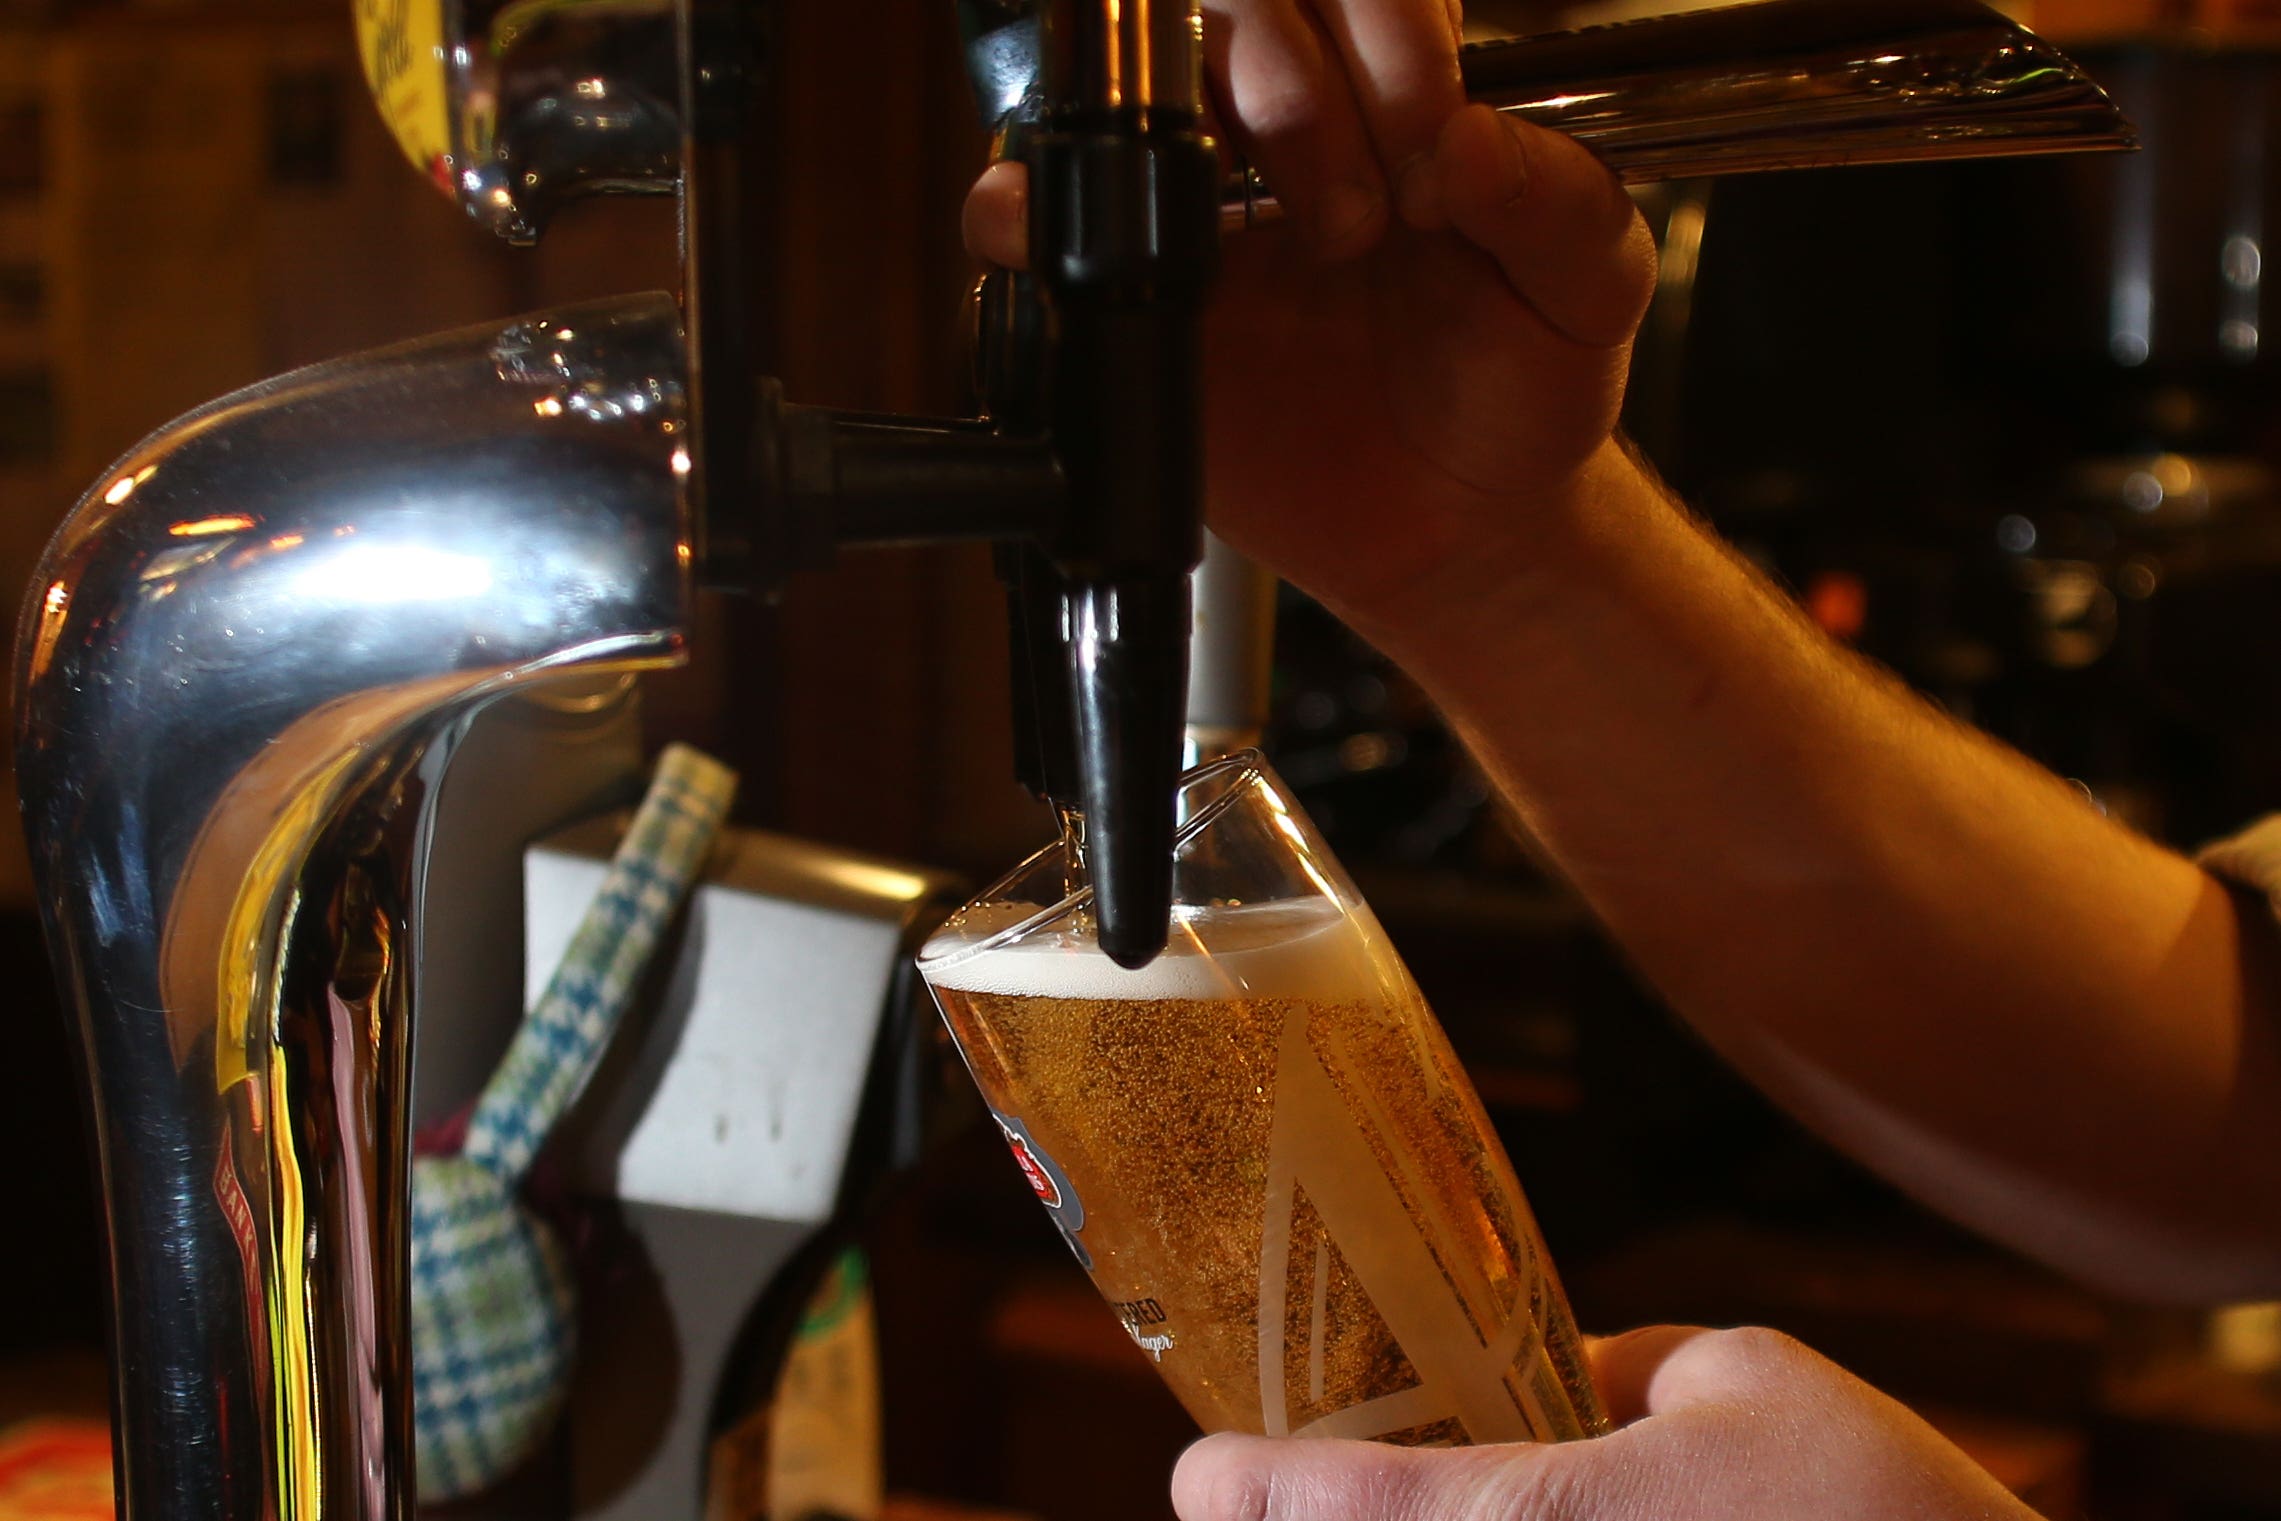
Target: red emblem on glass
(1041,1183)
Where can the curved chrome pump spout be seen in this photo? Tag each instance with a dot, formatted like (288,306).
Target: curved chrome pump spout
(242,668)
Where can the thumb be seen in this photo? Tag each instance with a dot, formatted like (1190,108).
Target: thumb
(996,218)
(1245,1478)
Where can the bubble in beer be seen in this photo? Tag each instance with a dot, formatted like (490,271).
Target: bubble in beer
(1279,1155)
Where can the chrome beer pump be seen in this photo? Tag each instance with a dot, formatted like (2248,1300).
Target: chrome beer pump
(254,649)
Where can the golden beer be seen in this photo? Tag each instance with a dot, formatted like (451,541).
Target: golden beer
(1263,1150)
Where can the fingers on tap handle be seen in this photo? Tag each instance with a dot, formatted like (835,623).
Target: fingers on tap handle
(1400,62)
(1280,88)
(1556,221)
(1331,100)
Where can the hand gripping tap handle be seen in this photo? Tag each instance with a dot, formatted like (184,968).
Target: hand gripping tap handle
(1121,180)
(1099,100)
(1100,344)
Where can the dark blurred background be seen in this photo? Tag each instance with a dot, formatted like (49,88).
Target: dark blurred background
(2011,429)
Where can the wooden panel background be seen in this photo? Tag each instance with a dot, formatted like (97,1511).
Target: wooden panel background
(895,697)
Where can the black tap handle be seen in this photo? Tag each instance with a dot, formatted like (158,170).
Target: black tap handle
(1099,346)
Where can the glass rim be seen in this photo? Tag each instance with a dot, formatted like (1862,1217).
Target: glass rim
(1250,762)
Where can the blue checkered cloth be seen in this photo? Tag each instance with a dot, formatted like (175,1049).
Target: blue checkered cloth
(494,1306)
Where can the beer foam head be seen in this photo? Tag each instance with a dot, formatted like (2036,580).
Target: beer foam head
(1308,947)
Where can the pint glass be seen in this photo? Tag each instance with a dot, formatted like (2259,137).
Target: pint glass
(1260,1145)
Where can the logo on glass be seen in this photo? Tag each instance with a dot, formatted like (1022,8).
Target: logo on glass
(1049,1183)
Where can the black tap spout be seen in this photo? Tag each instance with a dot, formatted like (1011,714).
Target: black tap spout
(1124,244)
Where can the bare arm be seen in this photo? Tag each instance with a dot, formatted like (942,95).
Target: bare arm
(1929,949)
(1926,947)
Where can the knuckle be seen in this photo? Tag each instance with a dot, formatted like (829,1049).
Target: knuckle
(1757,1351)
(1616,214)
(1642,266)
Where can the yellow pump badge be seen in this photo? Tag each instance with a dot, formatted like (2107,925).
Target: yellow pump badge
(403,47)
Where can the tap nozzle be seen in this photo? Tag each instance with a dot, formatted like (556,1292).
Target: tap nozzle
(1127,642)
(1124,243)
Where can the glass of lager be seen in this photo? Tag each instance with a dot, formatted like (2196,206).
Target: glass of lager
(1260,1145)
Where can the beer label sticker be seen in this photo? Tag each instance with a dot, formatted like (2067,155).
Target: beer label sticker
(1048,1182)
(1041,1182)
(402,45)
(1143,1320)
(237,1212)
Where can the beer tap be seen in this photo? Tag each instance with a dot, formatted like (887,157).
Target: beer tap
(1124,241)
(1100,343)
(252,649)
(1107,480)
(1101,467)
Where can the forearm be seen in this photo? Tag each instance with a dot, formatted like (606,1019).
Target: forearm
(1932,951)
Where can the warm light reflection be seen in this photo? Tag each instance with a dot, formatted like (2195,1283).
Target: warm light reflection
(1112,37)
(882,881)
(125,485)
(1303,855)
(2243,261)
(52,605)
(174,560)
(547,406)
(681,462)
(1563,102)
(198,528)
